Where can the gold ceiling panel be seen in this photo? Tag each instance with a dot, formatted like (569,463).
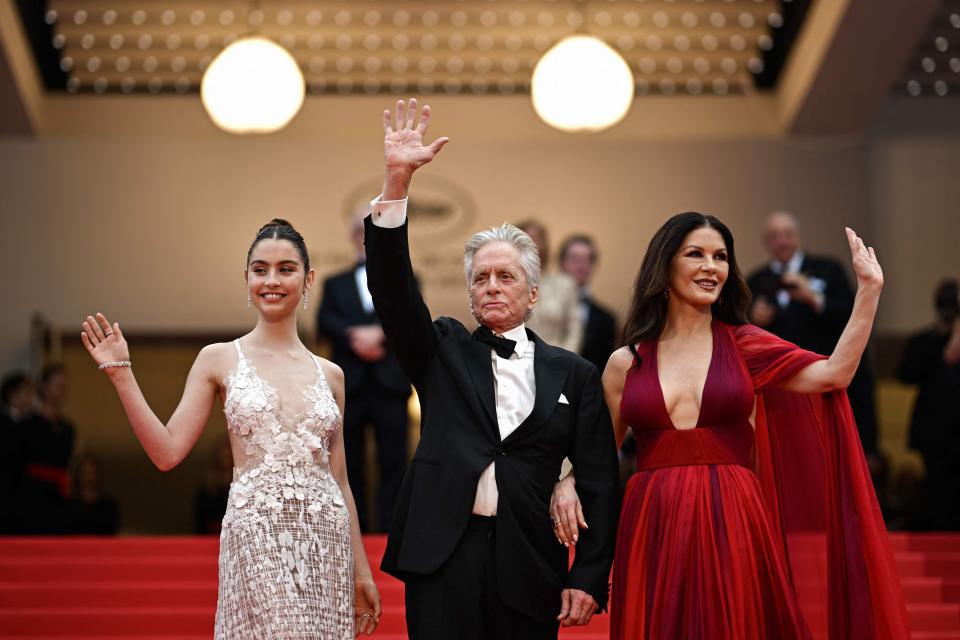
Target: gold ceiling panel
(451,46)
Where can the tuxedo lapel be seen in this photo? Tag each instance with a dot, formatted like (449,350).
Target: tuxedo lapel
(476,355)
(550,372)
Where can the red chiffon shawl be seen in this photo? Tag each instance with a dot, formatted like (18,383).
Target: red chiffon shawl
(820,497)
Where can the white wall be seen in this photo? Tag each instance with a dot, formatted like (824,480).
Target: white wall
(149,218)
(150,221)
(915,204)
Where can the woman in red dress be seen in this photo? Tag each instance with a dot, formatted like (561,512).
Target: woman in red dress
(751,514)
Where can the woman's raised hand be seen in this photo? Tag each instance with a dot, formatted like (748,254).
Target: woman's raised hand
(104,342)
(865,265)
(403,147)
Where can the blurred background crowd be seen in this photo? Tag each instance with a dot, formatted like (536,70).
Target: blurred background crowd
(52,486)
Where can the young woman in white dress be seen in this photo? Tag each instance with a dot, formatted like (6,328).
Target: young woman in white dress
(292,563)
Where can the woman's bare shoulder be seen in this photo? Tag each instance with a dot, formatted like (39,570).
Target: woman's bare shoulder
(218,357)
(619,362)
(331,371)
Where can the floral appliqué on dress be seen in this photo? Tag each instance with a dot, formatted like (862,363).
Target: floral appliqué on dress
(286,564)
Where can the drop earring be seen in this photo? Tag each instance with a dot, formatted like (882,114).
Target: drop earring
(249,302)
(306,298)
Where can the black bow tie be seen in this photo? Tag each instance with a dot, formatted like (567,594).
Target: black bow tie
(503,346)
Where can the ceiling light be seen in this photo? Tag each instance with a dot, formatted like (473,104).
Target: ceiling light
(582,84)
(252,86)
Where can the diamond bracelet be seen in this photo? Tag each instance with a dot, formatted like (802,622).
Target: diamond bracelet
(117,363)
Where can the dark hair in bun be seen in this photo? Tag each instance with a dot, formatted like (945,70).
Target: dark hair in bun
(280,229)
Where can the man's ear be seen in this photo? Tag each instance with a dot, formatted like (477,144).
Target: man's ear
(534,297)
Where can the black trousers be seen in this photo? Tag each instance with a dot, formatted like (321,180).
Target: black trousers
(461,601)
(386,412)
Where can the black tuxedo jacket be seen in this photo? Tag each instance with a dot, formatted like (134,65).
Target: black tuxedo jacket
(798,322)
(599,335)
(340,309)
(460,437)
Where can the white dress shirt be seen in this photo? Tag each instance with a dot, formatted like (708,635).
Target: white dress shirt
(583,306)
(779,268)
(360,277)
(516,389)
(513,377)
(793,266)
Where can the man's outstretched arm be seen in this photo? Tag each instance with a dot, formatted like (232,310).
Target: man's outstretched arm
(405,318)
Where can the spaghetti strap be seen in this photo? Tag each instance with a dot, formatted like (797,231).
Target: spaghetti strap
(236,344)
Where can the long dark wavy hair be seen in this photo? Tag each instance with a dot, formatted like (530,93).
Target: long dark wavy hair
(648,308)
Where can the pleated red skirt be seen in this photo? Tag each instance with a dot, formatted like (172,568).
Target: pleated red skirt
(696,560)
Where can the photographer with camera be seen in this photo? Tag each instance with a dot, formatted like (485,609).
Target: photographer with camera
(807,300)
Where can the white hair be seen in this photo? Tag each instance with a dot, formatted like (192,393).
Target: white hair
(529,256)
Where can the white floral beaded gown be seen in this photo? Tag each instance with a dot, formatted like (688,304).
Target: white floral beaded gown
(286,564)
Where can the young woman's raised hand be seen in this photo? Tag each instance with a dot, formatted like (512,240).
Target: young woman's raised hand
(104,341)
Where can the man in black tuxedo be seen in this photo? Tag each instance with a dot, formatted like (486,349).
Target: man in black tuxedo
(377,389)
(472,537)
(807,300)
(578,258)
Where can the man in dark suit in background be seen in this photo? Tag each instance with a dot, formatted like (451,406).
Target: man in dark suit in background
(472,536)
(578,258)
(377,389)
(807,300)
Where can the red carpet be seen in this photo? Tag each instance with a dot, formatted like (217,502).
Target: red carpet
(155,588)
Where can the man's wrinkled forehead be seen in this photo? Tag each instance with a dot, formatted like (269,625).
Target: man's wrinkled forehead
(497,266)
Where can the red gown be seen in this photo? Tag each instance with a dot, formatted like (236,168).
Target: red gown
(732,533)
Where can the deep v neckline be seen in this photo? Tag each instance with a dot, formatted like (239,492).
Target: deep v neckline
(276,394)
(706,379)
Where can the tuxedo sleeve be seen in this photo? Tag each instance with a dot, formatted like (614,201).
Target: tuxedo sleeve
(594,457)
(403,314)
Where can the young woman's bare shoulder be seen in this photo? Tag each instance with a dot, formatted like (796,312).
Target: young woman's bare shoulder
(332,372)
(217,359)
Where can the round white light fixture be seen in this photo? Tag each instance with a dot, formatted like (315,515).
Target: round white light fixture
(253,86)
(582,84)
